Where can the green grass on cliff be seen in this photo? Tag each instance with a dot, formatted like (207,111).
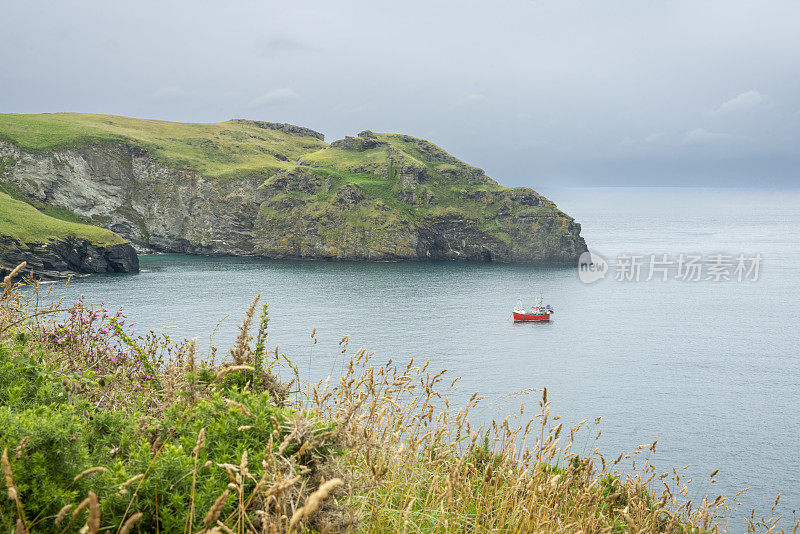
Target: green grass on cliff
(62,214)
(214,149)
(374,186)
(377,172)
(25,223)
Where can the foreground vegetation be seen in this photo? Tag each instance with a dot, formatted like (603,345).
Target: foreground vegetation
(103,431)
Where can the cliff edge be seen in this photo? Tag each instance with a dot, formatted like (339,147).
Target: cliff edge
(277,190)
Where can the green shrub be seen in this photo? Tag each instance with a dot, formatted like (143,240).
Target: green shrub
(52,438)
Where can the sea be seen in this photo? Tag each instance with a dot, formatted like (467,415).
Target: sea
(686,330)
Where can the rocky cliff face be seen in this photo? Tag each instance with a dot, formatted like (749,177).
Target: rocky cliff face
(122,188)
(376,197)
(68,257)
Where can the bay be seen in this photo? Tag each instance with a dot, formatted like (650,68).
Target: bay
(709,369)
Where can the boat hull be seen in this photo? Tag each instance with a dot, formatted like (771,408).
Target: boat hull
(529,318)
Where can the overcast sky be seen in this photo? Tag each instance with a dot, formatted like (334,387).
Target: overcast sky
(536,92)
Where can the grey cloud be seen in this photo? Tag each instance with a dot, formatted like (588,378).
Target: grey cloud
(275,97)
(466,100)
(350,109)
(655,137)
(702,137)
(169,92)
(536,93)
(747,100)
(277,46)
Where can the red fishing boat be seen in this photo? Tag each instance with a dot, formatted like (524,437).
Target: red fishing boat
(537,313)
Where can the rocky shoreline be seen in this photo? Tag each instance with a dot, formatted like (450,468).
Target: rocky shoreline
(68,257)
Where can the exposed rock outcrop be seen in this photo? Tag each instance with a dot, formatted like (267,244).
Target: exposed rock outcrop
(124,189)
(358,143)
(68,257)
(349,196)
(290,129)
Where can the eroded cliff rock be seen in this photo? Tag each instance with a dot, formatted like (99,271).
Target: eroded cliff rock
(68,257)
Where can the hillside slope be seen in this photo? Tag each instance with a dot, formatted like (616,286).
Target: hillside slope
(218,150)
(277,190)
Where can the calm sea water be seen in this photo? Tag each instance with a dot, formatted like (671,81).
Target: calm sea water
(709,369)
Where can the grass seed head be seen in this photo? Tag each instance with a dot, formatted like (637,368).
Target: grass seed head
(91,470)
(14,272)
(126,528)
(216,509)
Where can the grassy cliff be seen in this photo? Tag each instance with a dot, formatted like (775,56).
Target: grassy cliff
(398,196)
(278,190)
(218,150)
